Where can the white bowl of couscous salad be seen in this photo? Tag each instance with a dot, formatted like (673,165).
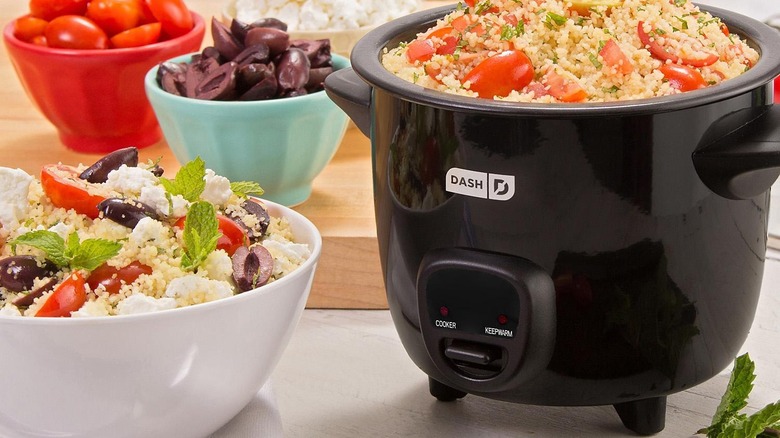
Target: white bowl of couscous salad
(175,350)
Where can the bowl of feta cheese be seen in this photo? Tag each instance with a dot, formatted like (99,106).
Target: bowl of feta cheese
(139,303)
(343,22)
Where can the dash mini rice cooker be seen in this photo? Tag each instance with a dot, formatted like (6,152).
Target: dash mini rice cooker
(586,254)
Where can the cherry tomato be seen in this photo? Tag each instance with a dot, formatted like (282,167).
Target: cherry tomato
(662,54)
(65,189)
(75,32)
(137,36)
(463,24)
(420,50)
(114,16)
(683,77)
(564,90)
(28,27)
(614,57)
(232,235)
(68,297)
(174,16)
(112,278)
(51,9)
(448,42)
(500,74)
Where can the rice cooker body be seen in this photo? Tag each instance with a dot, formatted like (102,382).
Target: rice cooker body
(563,261)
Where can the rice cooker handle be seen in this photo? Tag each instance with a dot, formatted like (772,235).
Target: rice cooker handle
(739,155)
(347,90)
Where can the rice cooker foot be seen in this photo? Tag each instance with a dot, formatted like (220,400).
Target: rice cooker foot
(645,417)
(443,392)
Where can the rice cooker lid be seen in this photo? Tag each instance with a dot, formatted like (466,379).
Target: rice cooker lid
(366,61)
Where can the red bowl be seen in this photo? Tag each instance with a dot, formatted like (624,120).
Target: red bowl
(777,89)
(96,98)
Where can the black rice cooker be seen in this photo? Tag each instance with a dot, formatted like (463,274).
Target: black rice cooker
(569,254)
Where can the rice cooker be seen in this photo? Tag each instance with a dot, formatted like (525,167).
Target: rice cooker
(585,254)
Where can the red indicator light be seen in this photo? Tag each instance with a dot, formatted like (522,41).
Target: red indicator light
(502,319)
(444,311)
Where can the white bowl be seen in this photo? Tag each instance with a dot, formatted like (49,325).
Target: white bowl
(175,373)
(341,41)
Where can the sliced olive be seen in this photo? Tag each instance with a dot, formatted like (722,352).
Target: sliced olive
(126,212)
(252,267)
(98,172)
(18,273)
(28,299)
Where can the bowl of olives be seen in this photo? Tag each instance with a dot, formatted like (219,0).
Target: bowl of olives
(253,106)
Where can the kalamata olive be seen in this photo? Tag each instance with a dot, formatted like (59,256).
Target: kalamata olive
(28,299)
(239,29)
(196,72)
(317,78)
(157,170)
(211,52)
(18,273)
(126,212)
(263,219)
(251,74)
(318,51)
(277,40)
(254,54)
(274,23)
(219,84)
(252,267)
(263,90)
(292,70)
(98,172)
(227,45)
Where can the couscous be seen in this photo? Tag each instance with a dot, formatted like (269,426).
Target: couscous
(118,238)
(572,51)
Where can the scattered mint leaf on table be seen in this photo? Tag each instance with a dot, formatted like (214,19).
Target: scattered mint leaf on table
(729,422)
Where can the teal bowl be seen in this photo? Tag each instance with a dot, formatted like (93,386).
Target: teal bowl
(282,144)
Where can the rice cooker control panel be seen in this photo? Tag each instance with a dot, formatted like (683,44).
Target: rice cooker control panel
(487,319)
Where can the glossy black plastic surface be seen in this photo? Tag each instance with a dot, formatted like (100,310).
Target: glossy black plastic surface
(656,273)
(656,276)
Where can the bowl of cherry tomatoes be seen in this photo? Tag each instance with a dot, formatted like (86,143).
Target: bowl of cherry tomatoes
(82,63)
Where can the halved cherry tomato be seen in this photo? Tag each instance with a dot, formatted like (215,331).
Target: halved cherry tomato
(68,297)
(562,89)
(420,50)
(683,77)
(28,27)
(500,74)
(662,54)
(614,57)
(449,42)
(112,278)
(114,16)
(174,16)
(137,36)
(51,9)
(464,24)
(65,189)
(232,235)
(75,32)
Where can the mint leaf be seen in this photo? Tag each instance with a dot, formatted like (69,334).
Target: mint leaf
(246,188)
(74,254)
(188,182)
(755,424)
(728,421)
(201,232)
(735,397)
(47,241)
(93,253)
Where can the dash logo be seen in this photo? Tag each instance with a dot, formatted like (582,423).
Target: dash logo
(480,184)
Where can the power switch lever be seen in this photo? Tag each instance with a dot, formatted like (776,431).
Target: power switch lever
(477,354)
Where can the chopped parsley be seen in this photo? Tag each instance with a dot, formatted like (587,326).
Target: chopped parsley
(595,60)
(552,19)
